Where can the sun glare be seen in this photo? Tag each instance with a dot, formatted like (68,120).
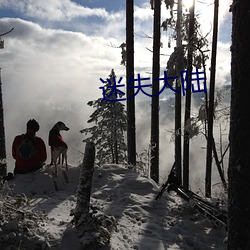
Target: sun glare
(188,3)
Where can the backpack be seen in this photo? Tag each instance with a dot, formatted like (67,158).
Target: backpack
(26,148)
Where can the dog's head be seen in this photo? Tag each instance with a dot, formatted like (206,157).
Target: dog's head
(61,126)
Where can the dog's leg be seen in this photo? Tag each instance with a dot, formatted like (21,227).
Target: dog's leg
(66,161)
(59,159)
(51,155)
(63,157)
(55,158)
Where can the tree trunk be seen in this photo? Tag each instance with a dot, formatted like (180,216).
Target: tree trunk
(216,158)
(211,103)
(178,97)
(114,131)
(93,229)
(188,99)
(81,215)
(131,131)
(239,160)
(3,162)
(116,152)
(154,168)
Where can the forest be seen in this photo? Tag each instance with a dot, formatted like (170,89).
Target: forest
(206,123)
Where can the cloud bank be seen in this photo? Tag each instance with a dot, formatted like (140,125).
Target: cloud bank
(52,62)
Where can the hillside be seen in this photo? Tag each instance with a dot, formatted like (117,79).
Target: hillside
(141,221)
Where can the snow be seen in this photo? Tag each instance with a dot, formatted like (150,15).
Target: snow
(141,221)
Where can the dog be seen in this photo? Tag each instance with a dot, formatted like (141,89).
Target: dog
(58,146)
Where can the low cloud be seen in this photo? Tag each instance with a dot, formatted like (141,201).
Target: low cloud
(50,73)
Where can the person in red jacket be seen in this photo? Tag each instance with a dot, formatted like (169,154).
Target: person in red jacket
(29,150)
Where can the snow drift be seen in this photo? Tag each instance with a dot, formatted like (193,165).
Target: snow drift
(141,221)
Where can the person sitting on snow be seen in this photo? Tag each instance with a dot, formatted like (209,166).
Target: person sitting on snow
(29,150)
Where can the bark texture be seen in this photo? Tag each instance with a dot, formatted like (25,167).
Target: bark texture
(178,156)
(92,227)
(154,169)
(188,99)
(210,120)
(239,161)
(3,162)
(85,183)
(131,130)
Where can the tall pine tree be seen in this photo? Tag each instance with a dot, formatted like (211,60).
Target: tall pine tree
(3,164)
(131,125)
(154,169)
(238,170)
(3,161)
(210,138)
(110,121)
(186,55)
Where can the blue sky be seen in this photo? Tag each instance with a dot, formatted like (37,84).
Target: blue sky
(67,14)
(59,49)
(109,5)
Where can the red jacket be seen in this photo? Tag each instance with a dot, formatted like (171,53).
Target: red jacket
(55,139)
(37,159)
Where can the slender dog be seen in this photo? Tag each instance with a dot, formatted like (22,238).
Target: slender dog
(58,146)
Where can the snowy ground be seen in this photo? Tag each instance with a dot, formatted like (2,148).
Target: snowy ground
(142,222)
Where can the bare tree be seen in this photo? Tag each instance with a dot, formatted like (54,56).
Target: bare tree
(239,160)
(211,102)
(93,230)
(131,131)
(84,186)
(154,169)
(3,163)
(178,157)
(188,98)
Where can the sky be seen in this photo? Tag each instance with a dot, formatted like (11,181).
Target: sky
(59,49)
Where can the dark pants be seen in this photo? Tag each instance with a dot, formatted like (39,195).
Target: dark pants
(25,171)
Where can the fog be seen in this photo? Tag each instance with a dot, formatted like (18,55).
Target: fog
(198,143)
